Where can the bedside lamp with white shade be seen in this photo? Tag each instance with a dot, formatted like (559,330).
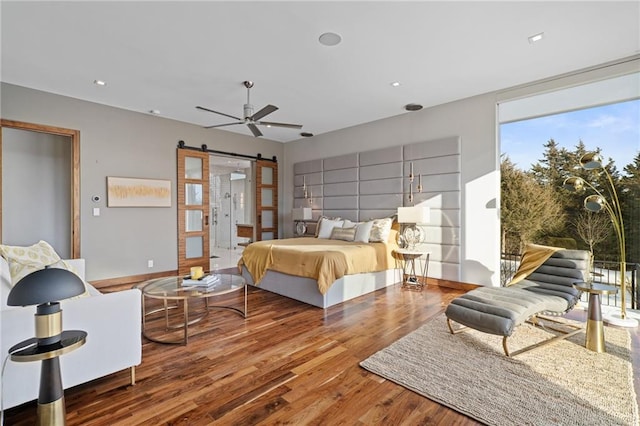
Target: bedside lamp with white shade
(410,217)
(300,215)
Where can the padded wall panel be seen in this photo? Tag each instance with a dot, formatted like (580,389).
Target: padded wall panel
(439,200)
(335,189)
(368,214)
(443,252)
(306,167)
(434,148)
(384,201)
(352,215)
(441,235)
(308,179)
(341,162)
(381,156)
(381,186)
(341,203)
(437,183)
(381,171)
(341,175)
(434,165)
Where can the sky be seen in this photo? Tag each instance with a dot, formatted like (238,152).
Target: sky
(614,128)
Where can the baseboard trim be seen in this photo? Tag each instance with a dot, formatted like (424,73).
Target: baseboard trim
(131,279)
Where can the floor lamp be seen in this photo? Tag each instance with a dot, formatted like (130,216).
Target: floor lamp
(595,203)
(45,288)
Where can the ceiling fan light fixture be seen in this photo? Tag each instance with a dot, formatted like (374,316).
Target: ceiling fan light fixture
(413,107)
(329,39)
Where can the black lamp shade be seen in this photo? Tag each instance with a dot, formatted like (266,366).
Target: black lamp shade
(45,285)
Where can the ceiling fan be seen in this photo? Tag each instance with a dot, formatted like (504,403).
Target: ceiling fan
(250,119)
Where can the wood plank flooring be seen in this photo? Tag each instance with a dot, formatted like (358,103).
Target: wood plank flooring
(287,363)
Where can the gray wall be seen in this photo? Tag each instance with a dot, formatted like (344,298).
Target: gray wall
(36,189)
(117,142)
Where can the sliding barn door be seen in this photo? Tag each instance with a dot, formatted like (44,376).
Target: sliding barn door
(193,210)
(266,200)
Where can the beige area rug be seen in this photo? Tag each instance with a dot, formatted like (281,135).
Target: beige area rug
(558,384)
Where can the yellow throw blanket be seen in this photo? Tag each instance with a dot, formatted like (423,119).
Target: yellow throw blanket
(534,255)
(321,259)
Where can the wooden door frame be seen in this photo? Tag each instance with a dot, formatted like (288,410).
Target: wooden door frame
(184,264)
(74,136)
(258,203)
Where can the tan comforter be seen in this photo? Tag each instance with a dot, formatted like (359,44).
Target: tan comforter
(321,259)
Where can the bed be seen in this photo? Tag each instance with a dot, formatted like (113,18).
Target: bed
(320,271)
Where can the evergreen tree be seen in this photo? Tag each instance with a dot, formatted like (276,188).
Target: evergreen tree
(528,209)
(630,199)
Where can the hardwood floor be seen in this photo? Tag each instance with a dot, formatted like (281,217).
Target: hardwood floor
(287,363)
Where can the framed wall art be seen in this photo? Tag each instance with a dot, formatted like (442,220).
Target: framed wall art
(136,192)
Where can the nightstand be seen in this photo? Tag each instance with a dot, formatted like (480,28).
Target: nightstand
(414,277)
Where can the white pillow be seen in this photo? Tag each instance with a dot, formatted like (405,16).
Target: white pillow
(327,225)
(348,224)
(363,230)
(380,230)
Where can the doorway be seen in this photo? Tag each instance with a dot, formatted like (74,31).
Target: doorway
(44,163)
(232,204)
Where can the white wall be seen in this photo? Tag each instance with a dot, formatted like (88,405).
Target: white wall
(474,121)
(117,142)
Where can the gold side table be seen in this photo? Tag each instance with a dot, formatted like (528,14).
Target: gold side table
(595,327)
(413,278)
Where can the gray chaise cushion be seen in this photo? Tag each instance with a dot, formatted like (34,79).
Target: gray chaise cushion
(548,290)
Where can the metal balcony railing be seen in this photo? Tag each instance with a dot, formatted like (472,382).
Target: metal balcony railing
(605,272)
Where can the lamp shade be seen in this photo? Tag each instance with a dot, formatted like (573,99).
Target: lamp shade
(415,214)
(45,285)
(591,161)
(301,213)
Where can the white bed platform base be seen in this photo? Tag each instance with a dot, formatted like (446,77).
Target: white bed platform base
(306,289)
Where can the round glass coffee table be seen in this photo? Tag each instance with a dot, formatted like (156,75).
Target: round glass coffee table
(171,289)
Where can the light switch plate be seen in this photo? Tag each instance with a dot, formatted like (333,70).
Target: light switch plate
(96,211)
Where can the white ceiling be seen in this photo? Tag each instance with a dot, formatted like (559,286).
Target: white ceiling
(172,56)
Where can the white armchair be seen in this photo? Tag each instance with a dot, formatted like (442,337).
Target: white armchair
(112,322)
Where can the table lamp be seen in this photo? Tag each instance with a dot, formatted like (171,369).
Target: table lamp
(45,288)
(410,217)
(299,215)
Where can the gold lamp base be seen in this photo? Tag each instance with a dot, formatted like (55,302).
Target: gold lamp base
(52,413)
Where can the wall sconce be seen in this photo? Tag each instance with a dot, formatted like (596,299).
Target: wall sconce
(411,179)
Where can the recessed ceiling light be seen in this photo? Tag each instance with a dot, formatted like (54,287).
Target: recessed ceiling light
(154,111)
(395,84)
(100,82)
(330,39)
(306,134)
(536,37)
(413,107)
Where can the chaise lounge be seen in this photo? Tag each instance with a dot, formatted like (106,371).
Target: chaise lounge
(543,285)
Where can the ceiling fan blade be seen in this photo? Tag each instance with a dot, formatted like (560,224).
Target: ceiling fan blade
(263,112)
(256,132)
(291,126)
(222,125)
(221,113)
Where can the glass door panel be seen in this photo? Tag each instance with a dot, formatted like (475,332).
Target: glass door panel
(193,210)
(266,200)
